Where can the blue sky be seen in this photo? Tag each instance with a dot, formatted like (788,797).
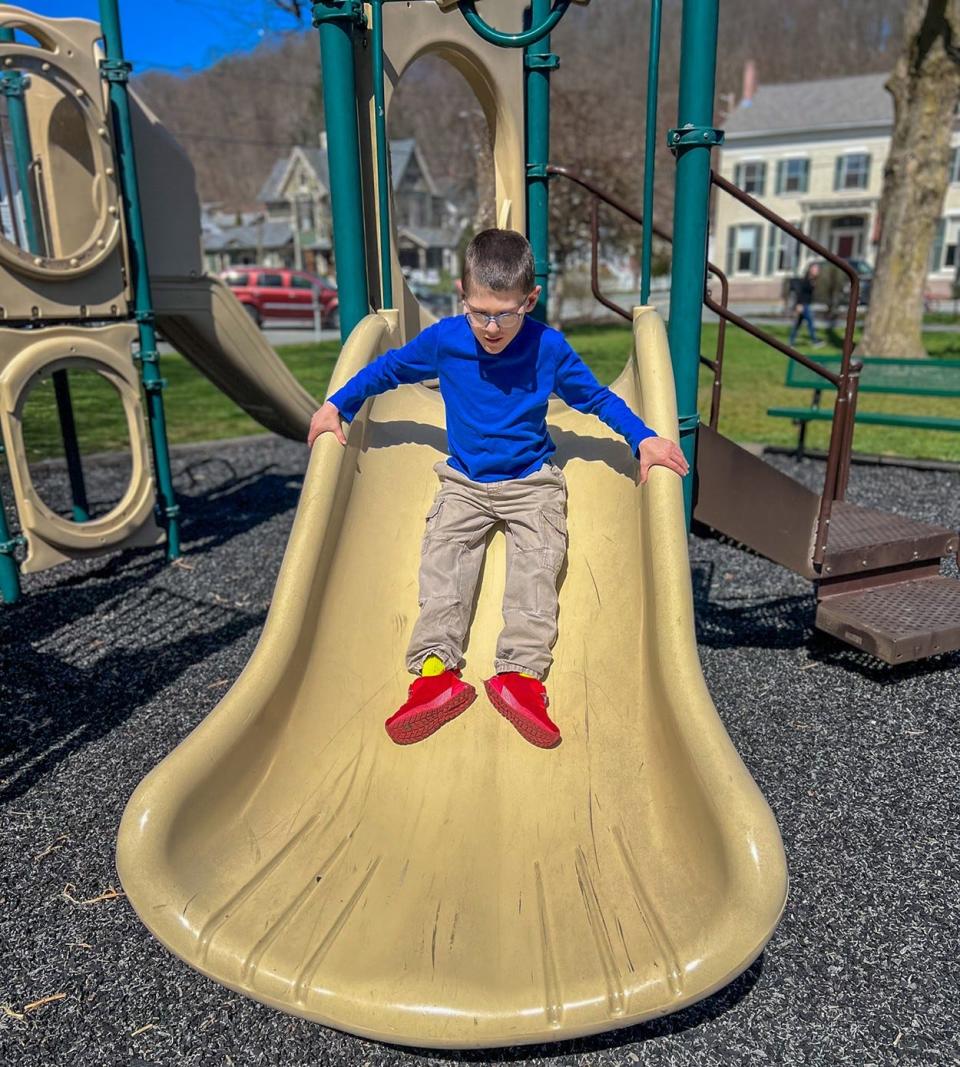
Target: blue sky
(175,34)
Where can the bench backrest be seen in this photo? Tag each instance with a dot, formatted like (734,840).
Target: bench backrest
(916,377)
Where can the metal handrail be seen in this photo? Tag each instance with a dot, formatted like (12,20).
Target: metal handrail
(598,194)
(512,40)
(846,381)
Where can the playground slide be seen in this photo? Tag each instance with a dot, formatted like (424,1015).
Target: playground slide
(206,323)
(470,890)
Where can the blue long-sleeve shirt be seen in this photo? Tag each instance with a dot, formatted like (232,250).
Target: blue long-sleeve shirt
(496,405)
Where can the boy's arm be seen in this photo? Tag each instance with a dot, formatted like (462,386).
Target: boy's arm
(414,362)
(577,386)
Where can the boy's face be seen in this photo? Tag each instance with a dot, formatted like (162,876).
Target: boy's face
(480,303)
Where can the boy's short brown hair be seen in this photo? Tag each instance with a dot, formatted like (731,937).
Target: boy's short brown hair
(499,260)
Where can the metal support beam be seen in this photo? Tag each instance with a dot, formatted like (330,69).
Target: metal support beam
(116,71)
(9,570)
(539,61)
(650,149)
(383,154)
(698,62)
(337,21)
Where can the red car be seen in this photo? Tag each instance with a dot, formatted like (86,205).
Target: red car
(280,293)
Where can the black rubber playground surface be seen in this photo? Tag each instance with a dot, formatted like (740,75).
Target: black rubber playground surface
(105,666)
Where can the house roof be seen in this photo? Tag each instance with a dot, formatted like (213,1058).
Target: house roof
(429,236)
(829,103)
(402,151)
(271,234)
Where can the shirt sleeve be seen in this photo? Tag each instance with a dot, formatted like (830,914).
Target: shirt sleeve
(414,362)
(576,385)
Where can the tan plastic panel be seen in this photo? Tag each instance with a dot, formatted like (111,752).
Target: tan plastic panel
(205,322)
(83,275)
(168,196)
(27,357)
(496,77)
(470,890)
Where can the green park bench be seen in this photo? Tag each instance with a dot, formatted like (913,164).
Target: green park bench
(905,377)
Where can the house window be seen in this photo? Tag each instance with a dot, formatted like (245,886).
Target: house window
(852,171)
(783,251)
(743,250)
(943,253)
(955,165)
(751,177)
(793,175)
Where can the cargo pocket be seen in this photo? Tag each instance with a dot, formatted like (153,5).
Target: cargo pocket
(553,533)
(440,560)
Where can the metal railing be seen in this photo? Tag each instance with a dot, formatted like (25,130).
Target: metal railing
(599,196)
(846,380)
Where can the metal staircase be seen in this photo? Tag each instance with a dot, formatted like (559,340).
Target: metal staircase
(877,575)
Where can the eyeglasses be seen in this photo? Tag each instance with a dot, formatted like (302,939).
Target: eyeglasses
(506,320)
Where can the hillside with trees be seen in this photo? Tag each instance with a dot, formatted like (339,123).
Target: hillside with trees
(238,116)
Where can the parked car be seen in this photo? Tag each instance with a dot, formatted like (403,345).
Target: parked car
(281,293)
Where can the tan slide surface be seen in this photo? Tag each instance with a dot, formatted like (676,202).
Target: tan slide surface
(470,890)
(206,324)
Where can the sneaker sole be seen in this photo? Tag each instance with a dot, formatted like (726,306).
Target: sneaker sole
(421,724)
(528,730)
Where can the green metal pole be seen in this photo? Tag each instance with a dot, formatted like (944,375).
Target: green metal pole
(71,446)
(337,21)
(13,84)
(116,71)
(383,154)
(9,571)
(539,61)
(650,150)
(692,141)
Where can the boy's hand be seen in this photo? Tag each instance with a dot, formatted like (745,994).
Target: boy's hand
(659,452)
(326,420)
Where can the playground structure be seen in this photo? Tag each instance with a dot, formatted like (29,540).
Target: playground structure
(284,849)
(77,293)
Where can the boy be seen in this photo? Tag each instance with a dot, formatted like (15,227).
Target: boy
(497,368)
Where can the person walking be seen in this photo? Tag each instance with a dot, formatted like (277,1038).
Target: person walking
(804,307)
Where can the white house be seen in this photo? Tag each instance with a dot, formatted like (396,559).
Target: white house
(814,153)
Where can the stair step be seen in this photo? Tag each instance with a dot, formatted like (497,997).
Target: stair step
(866,539)
(898,622)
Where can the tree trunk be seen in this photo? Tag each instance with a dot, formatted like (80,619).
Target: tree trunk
(925,86)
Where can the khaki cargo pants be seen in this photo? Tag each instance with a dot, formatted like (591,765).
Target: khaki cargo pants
(533,512)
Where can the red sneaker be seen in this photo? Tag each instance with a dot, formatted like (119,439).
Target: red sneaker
(431,702)
(523,701)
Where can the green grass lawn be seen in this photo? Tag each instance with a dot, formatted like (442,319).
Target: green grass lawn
(753,382)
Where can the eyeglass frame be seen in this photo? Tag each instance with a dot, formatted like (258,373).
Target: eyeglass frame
(520,312)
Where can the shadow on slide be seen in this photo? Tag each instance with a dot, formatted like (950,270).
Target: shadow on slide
(472,890)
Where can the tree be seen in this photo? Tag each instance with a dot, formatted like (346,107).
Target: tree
(925,86)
